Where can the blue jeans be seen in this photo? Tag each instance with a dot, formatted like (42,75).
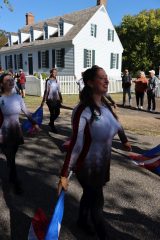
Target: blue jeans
(127,91)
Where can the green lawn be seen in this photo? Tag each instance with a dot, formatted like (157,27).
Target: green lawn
(70,100)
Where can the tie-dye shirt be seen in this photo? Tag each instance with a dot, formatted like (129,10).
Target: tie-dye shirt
(89,152)
(11,107)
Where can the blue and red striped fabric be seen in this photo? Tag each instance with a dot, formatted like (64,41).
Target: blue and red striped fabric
(37,116)
(149,159)
(55,223)
(41,228)
(38,226)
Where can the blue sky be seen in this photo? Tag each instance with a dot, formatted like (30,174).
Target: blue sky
(43,9)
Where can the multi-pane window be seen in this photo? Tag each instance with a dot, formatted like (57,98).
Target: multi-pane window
(46,32)
(93,30)
(31,33)
(60,57)
(9,38)
(19,61)
(61,28)
(110,35)
(114,63)
(9,62)
(43,59)
(20,39)
(89,58)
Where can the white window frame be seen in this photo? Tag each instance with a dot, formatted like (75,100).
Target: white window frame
(61,28)
(110,35)
(114,61)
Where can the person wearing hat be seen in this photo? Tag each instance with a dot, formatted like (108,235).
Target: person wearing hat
(151,90)
(21,83)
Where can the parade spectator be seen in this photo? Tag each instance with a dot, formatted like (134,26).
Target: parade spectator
(80,83)
(53,97)
(11,135)
(21,82)
(94,126)
(151,91)
(140,88)
(126,85)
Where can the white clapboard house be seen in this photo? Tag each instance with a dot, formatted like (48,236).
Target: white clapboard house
(71,43)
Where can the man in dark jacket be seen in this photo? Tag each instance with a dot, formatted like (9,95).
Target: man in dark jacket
(126,85)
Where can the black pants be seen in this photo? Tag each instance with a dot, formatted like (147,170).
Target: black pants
(151,100)
(139,98)
(54,109)
(91,204)
(10,153)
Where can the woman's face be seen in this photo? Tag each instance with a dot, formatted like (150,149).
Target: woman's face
(100,83)
(54,73)
(8,83)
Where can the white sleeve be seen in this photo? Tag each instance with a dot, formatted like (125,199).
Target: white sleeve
(23,107)
(77,142)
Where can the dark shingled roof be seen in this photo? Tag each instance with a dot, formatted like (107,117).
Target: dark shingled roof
(78,18)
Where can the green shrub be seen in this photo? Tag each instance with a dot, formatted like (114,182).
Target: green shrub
(44,75)
(36,75)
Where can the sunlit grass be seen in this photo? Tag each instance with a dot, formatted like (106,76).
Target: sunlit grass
(70,100)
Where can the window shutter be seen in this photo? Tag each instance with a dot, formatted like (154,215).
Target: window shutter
(112,35)
(117,62)
(85,58)
(109,34)
(11,63)
(53,58)
(39,59)
(15,61)
(95,34)
(111,63)
(21,60)
(6,63)
(63,57)
(93,57)
(47,59)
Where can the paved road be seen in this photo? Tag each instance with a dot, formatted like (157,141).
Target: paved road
(132,197)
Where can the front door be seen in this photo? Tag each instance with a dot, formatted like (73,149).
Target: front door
(30,64)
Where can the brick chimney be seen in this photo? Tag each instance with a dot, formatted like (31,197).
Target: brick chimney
(29,19)
(100,2)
